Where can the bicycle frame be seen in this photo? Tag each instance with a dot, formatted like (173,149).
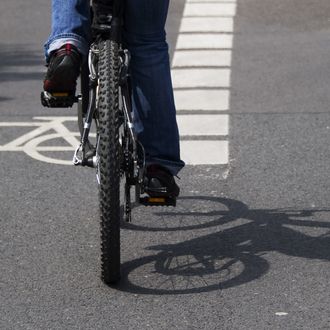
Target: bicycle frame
(110,28)
(132,151)
(117,155)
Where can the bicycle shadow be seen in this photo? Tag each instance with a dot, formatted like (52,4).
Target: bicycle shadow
(229,257)
(206,212)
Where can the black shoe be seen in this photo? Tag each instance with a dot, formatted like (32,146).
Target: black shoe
(63,70)
(160,182)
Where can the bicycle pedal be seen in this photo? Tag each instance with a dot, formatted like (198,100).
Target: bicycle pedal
(57,99)
(158,201)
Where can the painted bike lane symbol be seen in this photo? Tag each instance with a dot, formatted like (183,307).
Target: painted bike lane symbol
(43,129)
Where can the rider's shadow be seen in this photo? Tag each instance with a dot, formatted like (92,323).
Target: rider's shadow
(231,256)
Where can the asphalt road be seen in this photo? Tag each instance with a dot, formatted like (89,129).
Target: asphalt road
(249,250)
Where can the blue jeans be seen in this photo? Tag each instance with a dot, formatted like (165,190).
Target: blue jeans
(145,37)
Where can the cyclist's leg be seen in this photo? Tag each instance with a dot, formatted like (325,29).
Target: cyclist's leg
(64,51)
(70,24)
(153,100)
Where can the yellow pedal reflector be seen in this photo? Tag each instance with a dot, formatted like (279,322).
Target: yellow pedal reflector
(60,94)
(156,200)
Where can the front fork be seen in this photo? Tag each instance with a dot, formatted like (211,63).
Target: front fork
(85,154)
(133,152)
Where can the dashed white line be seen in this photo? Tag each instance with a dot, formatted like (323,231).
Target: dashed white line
(204,41)
(203,125)
(196,78)
(207,24)
(210,9)
(201,80)
(201,100)
(204,152)
(202,58)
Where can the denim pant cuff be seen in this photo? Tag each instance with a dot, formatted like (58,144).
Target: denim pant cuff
(173,166)
(62,39)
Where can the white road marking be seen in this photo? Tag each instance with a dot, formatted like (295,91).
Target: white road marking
(30,149)
(197,78)
(204,152)
(30,142)
(209,1)
(201,79)
(204,41)
(204,125)
(53,122)
(207,24)
(200,58)
(210,9)
(28,136)
(201,100)
(14,124)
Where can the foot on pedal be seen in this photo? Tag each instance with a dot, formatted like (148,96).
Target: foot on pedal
(61,77)
(57,100)
(158,201)
(160,186)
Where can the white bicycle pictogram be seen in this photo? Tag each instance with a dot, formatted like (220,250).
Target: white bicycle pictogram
(33,142)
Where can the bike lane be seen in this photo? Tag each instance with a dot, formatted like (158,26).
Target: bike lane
(247,249)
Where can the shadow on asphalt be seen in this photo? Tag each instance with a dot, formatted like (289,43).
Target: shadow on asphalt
(3,99)
(229,257)
(17,63)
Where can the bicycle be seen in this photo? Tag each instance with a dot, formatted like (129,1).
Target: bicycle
(117,155)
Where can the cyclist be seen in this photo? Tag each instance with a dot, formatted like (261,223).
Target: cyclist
(153,102)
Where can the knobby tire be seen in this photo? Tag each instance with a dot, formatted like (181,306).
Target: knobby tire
(109,160)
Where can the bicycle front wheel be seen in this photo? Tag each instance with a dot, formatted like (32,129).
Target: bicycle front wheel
(109,159)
